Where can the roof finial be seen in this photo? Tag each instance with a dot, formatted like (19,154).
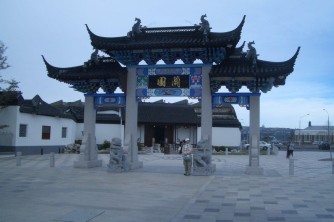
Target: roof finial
(251,54)
(136,28)
(94,57)
(205,26)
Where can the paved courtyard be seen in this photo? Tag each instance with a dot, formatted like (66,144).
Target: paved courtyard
(35,191)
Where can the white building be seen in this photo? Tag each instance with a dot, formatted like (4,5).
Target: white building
(314,134)
(34,126)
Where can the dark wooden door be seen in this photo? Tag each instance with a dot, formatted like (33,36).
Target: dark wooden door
(149,133)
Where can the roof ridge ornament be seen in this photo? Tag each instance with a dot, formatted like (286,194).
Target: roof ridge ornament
(94,60)
(205,25)
(94,57)
(251,54)
(136,28)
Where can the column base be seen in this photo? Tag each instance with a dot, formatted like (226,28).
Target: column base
(204,171)
(254,170)
(136,165)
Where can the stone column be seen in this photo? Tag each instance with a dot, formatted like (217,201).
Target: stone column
(254,135)
(206,105)
(88,148)
(131,119)
(202,164)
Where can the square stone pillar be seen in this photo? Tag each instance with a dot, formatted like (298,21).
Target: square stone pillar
(131,119)
(206,106)
(202,163)
(88,148)
(254,134)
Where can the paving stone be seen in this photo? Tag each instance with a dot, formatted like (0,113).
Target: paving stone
(159,191)
(189,216)
(324,216)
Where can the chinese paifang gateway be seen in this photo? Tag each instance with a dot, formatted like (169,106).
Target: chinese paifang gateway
(224,64)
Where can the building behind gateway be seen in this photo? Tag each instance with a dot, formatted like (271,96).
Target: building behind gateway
(34,126)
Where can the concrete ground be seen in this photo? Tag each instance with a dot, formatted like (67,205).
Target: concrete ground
(36,192)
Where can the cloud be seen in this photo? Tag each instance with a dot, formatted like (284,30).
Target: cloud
(56,29)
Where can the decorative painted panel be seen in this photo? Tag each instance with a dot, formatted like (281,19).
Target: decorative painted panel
(242,99)
(115,99)
(165,80)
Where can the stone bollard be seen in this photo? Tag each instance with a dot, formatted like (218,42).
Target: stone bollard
(226,151)
(268,151)
(291,166)
(52,159)
(332,166)
(18,158)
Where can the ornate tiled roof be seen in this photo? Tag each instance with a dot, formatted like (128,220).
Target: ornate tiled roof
(39,107)
(88,78)
(187,43)
(238,71)
(233,68)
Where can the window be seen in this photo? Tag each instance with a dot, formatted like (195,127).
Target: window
(23,130)
(46,132)
(63,132)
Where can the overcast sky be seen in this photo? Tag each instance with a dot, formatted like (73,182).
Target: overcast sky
(56,29)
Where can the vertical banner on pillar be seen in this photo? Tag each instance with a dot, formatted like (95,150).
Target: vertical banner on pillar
(165,80)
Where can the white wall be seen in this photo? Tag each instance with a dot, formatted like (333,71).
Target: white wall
(79,131)
(182,133)
(223,136)
(34,130)
(107,132)
(8,117)
(12,117)
(226,136)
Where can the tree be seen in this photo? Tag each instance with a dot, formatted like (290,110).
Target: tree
(10,86)
(7,87)
(3,58)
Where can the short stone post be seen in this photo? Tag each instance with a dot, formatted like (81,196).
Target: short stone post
(268,151)
(153,144)
(332,166)
(52,159)
(226,151)
(291,166)
(18,158)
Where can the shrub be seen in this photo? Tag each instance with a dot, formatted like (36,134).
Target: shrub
(106,144)
(140,146)
(221,148)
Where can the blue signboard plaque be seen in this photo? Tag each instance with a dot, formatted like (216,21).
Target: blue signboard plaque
(165,80)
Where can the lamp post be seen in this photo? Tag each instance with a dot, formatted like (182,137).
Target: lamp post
(328,139)
(300,119)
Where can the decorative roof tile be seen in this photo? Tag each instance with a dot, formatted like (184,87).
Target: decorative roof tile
(187,43)
(104,72)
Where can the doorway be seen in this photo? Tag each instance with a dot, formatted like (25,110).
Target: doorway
(159,133)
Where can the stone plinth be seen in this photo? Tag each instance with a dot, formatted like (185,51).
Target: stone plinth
(254,162)
(202,165)
(119,160)
(88,154)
